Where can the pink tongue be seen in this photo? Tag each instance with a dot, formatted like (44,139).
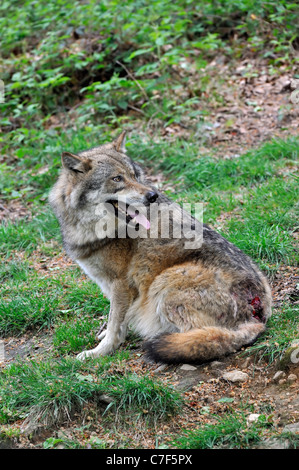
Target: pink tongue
(140,219)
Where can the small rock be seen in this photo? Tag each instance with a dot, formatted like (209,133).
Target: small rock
(160,368)
(292,378)
(214,380)
(188,367)
(235,376)
(282,381)
(292,428)
(217,365)
(252,418)
(279,375)
(274,443)
(106,398)
(246,363)
(208,400)
(30,428)
(291,355)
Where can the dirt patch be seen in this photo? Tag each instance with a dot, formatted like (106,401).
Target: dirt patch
(14,210)
(206,392)
(46,264)
(207,395)
(285,285)
(246,103)
(27,346)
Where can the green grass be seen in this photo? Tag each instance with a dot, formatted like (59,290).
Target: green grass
(197,173)
(16,271)
(34,311)
(282,329)
(31,302)
(85,310)
(27,302)
(272,243)
(229,431)
(150,397)
(268,217)
(69,50)
(51,391)
(28,235)
(76,334)
(47,391)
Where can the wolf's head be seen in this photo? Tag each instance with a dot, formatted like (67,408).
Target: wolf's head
(103,175)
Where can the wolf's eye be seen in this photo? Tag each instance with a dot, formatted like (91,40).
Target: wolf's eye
(117,179)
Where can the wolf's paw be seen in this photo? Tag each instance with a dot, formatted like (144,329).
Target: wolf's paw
(102,349)
(83,355)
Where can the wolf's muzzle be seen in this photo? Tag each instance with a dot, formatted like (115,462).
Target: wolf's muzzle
(151,196)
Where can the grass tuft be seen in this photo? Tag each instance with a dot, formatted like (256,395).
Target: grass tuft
(282,329)
(27,235)
(229,431)
(51,391)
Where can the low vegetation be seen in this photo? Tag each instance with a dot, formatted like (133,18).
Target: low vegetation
(74,74)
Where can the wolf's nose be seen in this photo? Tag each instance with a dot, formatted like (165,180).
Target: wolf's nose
(151,196)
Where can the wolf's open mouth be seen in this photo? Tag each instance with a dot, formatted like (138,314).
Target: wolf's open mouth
(130,213)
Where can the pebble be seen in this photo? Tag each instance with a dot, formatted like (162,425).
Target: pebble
(160,368)
(187,367)
(274,443)
(252,418)
(282,381)
(292,428)
(217,364)
(278,376)
(291,355)
(235,376)
(292,378)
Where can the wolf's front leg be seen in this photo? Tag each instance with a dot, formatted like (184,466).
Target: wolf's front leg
(116,330)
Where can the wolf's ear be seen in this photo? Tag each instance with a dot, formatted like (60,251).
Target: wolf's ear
(120,142)
(74,163)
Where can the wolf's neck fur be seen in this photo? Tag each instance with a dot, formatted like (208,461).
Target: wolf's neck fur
(79,236)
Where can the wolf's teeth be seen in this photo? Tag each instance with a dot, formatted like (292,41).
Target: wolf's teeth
(134,220)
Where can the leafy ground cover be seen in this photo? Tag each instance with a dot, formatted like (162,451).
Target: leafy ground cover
(204,90)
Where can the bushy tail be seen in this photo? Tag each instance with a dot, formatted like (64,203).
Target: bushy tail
(201,345)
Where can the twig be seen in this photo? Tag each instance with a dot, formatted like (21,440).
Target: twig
(136,109)
(134,79)
(102,328)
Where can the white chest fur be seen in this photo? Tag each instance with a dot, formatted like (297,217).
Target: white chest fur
(95,273)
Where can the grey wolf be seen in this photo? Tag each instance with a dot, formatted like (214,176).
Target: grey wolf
(190,305)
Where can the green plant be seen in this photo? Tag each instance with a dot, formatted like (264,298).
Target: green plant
(62,54)
(50,391)
(282,329)
(151,398)
(26,235)
(76,334)
(229,431)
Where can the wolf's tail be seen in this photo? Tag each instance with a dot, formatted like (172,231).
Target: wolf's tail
(202,344)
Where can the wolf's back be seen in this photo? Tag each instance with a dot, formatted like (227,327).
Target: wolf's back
(201,344)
